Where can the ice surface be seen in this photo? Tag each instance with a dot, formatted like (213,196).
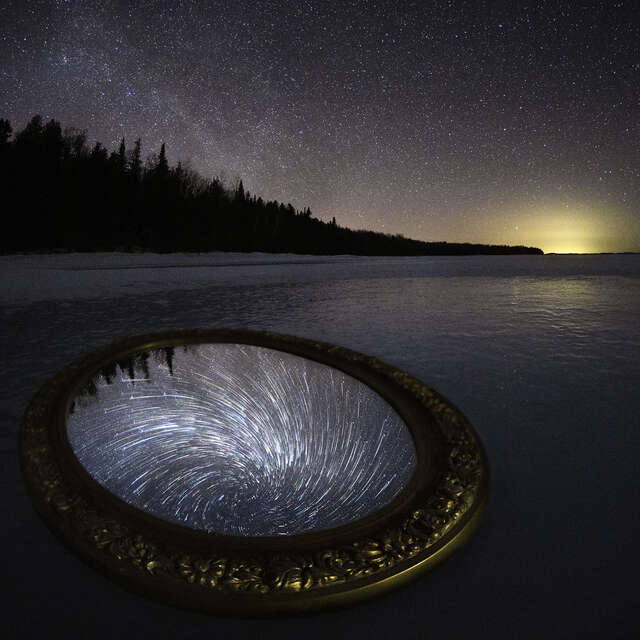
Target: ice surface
(30,278)
(542,353)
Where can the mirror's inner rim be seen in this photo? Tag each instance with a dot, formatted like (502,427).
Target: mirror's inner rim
(424,475)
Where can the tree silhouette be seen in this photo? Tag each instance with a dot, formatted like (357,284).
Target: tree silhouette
(5,132)
(135,161)
(162,168)
(120,158)
(239,195)
(76,199)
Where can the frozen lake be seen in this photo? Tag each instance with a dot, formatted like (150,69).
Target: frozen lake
(542,353)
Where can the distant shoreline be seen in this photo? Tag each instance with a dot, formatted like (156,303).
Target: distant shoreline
(439,249)
(141,251)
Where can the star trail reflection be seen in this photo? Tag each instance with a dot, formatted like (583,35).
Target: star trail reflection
(241,440)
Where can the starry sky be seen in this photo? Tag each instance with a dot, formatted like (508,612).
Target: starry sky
(481,121)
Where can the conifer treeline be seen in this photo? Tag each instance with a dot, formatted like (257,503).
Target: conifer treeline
(62,195)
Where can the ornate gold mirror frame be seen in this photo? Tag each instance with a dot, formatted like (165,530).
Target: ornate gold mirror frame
(436,512)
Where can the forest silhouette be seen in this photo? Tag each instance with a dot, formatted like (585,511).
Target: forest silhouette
(63,195)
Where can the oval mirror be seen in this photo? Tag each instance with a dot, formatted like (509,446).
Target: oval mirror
(251,473)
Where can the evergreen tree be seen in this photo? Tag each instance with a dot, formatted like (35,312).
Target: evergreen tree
(5,132)
(162,168)
(75,142)
(32,133)
(239,195)
(99,153)
(52,138)
(122,158)
(135,161)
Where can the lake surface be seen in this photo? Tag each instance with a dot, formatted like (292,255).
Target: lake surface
(542,353)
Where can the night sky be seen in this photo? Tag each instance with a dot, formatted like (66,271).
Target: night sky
(497,122)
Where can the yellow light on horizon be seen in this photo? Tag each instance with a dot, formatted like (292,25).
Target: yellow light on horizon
(559,234)
(562,228)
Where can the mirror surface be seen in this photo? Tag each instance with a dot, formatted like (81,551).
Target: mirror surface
(240,440)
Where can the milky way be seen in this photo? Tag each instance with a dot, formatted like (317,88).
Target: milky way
(462,121)
(243,440)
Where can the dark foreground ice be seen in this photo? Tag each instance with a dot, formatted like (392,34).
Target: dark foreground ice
(542,353)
